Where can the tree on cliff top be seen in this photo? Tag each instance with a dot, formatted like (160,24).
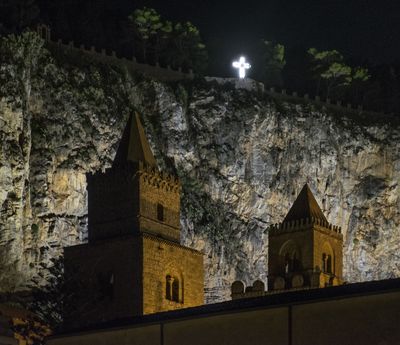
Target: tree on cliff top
(187,49)
(147,26)
(178,45)
(329,67)
(273,63)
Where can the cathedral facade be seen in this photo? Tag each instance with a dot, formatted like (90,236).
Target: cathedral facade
(134,263)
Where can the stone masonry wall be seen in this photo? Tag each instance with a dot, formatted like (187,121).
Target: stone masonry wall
(161,258)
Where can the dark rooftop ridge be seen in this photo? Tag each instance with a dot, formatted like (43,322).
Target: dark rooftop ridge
(268,301)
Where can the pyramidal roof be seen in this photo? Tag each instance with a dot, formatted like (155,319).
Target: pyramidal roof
(305,206)
(134,146)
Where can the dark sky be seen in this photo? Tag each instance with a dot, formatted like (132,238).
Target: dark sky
(361,29)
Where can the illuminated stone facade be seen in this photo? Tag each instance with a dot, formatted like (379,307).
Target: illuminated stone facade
(304,251)
(134,263)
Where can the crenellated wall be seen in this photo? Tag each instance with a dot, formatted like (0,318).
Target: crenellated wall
(103,56)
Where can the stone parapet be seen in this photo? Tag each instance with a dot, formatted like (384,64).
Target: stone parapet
(159,179)
(238,290)
(303,224)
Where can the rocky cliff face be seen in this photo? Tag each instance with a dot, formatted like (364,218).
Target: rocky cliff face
(242,156)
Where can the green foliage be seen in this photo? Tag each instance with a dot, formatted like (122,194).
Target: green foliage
(178,45)
(23,58)
(182,95)
(35,229)
(329,67)
(147,25)
(274,62)
(336,75)
(48,302)
(187,49)
(147,22)
(57,299)
(361,74)
(209,217)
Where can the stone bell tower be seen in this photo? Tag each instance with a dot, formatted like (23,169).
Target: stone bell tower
(304,250)
(134,263)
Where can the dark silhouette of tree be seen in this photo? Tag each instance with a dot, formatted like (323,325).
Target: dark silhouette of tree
(359,78)
(330,69)
(147,26)
(187,49)
(273,63)
(56,301)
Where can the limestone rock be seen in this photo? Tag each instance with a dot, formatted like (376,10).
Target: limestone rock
(242,157)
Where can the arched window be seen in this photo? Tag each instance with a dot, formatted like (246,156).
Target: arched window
(173,289)
(288,267)
(168,287)
(326,263)
(292,263)
(160,212)
(329,264)
(328,259)
(290,257)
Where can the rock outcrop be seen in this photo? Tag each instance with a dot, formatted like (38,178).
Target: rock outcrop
(241,154)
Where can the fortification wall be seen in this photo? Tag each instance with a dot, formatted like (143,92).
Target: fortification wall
(107,57)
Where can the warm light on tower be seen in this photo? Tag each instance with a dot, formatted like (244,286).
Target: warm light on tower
(241,65)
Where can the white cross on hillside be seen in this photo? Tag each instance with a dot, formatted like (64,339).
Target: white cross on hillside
(242,65)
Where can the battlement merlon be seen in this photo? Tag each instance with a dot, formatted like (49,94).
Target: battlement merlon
(304,224)
(152,176)
(147,174)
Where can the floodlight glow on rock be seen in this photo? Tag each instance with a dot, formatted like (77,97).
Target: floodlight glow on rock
(241,65)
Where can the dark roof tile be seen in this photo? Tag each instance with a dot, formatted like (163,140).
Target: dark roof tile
(305,206)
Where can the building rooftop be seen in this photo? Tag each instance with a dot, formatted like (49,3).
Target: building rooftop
(134,146)
(269,301)
(305,206)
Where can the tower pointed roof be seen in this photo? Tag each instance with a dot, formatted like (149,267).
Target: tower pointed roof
(134,146)
(305,206)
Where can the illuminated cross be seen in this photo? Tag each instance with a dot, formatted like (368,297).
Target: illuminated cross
(242,65)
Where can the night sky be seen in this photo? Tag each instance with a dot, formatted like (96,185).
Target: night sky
(363,30)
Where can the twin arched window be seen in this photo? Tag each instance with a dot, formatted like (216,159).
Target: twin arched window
(173,289)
